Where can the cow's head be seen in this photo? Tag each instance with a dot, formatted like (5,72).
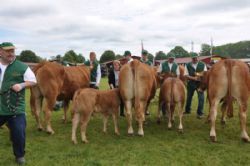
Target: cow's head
(203,79)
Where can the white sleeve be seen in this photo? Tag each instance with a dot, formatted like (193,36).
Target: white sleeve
(159,69)
(29,76)
(205,68)
(177,71)
(98,75)
(186,71)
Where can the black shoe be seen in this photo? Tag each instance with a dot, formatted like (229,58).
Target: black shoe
(20,160)
(147,113)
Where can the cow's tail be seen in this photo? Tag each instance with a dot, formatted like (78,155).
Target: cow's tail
(229,99)
(75,103)
(172,94)
(133,65)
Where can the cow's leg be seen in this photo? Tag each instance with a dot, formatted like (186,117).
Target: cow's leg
(75,122)
(243,119)
(159,112)
(140,116)
(36,105)
(128,107)
(105,122)
(223,111)
(169,115)
(213,114)
(115,119)
(48,107)
(84,122)
(180,112)
(172,107)
(65,108)
(37,111)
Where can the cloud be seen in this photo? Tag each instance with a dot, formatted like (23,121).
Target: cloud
(53,27)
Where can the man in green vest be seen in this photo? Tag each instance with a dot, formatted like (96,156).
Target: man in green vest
(192,68)
(95,74)
(128,56)
(15,76)
(144,58)
(170,67)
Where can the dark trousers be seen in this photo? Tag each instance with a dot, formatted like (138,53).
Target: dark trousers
(190,93)
(16,125)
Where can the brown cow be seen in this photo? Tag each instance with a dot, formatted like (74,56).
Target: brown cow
(172,92)
(138,85)
(86,101)
(226,81)
(55,82)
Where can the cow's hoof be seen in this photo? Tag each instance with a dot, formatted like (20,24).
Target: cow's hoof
(74,142)
(117,133)
(246,140)
(50,132)
(85,141)
(213,138)
(158,121)
(140,135)
(223,122)
(40,129)
(180,131)
(170,128)
(130,134)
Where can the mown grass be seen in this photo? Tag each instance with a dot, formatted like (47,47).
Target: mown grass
(159,146)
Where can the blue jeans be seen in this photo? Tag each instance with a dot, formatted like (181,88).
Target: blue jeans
(16,125)
(190,93)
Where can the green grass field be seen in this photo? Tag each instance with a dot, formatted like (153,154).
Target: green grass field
(159,146)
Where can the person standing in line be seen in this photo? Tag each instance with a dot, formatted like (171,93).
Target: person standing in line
(191,69)
(15,76)
(113,80)
(95,74)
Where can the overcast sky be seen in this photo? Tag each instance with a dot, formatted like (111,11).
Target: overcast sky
(52,27)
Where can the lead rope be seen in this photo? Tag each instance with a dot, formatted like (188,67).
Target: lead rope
(12,108)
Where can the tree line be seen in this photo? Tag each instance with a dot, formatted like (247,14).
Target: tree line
(233,50)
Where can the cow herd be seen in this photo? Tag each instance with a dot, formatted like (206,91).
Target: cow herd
(227,81)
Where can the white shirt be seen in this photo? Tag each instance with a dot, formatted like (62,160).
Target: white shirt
(116,77)
(28,75)
(130,60)
(98,75)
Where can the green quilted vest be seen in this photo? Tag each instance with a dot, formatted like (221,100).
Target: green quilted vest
(93,73)
(166,69)
(12,103)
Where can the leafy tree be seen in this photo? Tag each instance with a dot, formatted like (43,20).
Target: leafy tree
(160,55)
(59,58)
(118,56)
(29,56)
(234,50)
(179,52)
(108,55)
(70,56)
(80,58)
(205,50)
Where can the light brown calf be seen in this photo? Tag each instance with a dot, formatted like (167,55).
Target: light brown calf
(172,93)
(86,101)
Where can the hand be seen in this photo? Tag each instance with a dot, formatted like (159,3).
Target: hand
(17,87)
